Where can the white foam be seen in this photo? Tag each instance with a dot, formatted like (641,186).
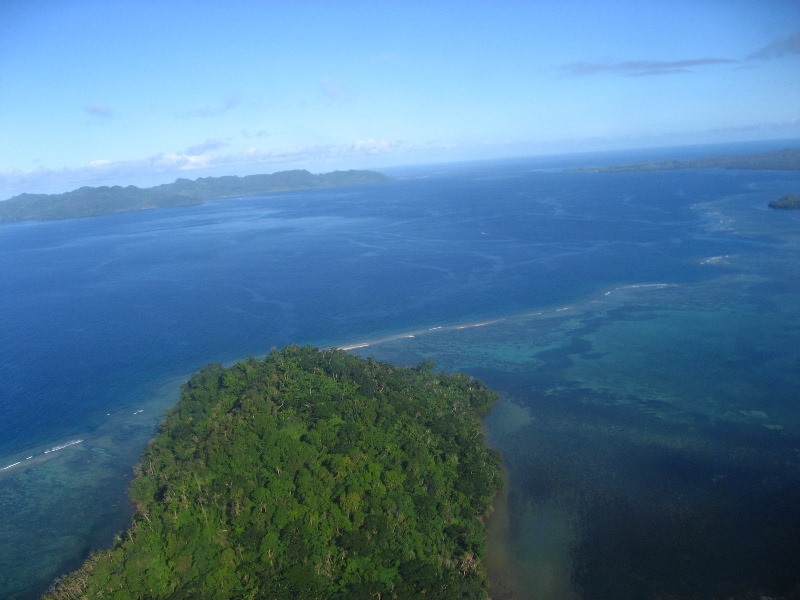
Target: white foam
(62,446)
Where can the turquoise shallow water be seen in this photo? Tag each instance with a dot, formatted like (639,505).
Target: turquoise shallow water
(651,433)
(641,328)
(638,469)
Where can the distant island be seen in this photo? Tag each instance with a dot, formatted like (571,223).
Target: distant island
(104,200)
(787,159)
(790,202)
(308,474)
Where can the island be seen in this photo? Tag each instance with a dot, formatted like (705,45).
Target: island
(786,159)
(104,200)
(308,474)
(788,202)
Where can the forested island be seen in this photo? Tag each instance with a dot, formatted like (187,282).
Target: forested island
(786,159)
(307,474)
(95,201)
(790,202)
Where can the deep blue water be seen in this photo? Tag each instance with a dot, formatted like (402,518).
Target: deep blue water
(101,315)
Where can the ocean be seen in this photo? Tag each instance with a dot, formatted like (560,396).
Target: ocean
(642,330)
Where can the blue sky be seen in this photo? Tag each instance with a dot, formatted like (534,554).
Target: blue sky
(121,92)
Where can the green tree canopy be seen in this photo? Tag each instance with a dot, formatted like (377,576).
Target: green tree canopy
(307,474)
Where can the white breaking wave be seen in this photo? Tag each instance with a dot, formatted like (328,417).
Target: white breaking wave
(62,446)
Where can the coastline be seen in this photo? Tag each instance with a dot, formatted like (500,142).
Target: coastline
(503,581)
(90,477)
(98,444)
(415,400)
(165,392)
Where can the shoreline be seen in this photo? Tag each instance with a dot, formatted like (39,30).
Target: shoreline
(147,410)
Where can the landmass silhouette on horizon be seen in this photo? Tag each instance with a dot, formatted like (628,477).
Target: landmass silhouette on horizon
(95,201)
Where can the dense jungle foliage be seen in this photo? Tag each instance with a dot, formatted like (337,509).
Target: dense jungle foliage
(307,474)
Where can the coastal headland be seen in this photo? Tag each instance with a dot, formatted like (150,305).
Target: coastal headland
(788,202)
(104,200)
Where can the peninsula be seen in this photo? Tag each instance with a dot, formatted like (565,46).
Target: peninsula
(104,200)
(786,159)
(307,474)
(788,202)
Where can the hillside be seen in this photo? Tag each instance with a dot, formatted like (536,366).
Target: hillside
(308,474)
(95,201)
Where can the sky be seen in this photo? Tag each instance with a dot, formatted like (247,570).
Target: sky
(114,92)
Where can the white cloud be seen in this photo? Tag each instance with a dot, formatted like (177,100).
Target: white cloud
(167,166)
(372,146)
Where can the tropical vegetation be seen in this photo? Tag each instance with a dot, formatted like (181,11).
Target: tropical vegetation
(308,474)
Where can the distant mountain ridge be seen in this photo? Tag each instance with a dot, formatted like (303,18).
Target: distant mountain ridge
(779,160)
(104,200)
(787,159)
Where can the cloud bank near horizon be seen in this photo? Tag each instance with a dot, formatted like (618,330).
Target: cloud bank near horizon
(268,86)
(197,158)
(224,152)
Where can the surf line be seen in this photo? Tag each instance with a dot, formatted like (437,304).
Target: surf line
(511,317)
(53,449)
(652,286)
(62,446)
(418,332)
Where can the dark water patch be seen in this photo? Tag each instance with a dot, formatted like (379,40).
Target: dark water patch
(664,511)
(721,544)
